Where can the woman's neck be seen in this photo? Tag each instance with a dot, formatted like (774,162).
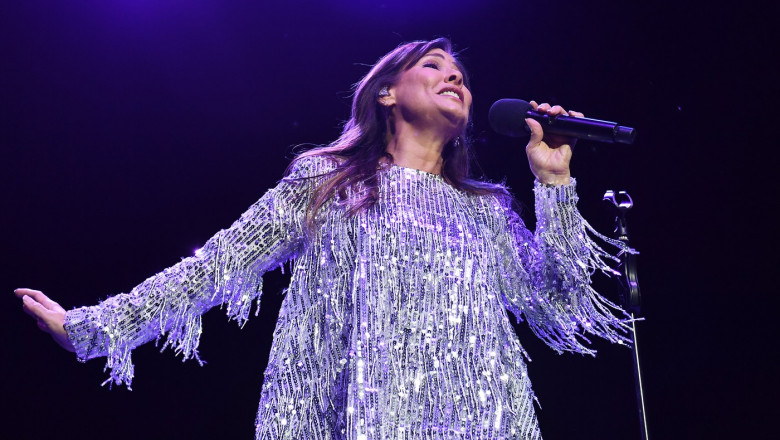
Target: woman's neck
(417,149)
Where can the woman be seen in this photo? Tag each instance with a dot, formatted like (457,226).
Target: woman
(394,324)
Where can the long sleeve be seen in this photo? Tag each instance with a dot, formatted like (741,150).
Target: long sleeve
(227,270)
(548,274)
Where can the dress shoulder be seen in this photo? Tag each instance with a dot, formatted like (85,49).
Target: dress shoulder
(309,166)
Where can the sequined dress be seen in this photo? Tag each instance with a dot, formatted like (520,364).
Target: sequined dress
(395,323)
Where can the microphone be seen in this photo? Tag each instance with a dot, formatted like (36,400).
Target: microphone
(507,117)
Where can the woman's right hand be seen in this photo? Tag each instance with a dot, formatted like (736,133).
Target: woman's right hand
(49,314)
(548,154)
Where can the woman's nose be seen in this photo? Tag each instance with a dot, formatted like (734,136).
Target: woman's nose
(455,77)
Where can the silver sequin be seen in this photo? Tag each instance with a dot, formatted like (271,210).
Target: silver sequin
(395,324)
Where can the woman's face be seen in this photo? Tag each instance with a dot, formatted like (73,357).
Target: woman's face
(431,92)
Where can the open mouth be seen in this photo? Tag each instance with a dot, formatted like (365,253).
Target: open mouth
(452,92)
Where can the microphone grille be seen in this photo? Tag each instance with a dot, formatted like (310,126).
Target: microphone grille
(507,117)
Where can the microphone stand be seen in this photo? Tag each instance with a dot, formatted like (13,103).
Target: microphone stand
(628,289)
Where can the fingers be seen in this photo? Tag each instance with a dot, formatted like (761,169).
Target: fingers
(47,319)
(555,110)
(38,312)
(49,316)
(32,307)
(39,297)
(536,131)
(552,110)
(35,309)
(21,292)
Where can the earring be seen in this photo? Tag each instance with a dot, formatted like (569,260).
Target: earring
(456,143)
(384,91)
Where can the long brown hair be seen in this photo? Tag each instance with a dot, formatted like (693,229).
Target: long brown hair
(362,143)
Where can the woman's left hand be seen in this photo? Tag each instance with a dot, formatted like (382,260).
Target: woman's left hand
(549,154)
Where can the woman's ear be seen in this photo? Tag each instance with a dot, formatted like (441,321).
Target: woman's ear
(385,96)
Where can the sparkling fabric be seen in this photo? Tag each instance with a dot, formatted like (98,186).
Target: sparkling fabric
(395,324)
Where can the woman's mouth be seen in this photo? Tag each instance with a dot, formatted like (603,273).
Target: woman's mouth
(452,92)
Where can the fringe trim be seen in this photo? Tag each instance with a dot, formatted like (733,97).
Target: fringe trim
(566,308)
(235,286)
(119,362)
(226,271)
(177,316)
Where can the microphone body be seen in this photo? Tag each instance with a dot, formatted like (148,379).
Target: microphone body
(507,117)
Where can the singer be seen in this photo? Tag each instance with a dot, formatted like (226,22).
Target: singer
(395,323)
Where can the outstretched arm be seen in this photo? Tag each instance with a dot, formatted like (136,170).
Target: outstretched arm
(227,270)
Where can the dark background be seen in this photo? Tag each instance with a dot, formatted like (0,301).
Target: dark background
(130,131)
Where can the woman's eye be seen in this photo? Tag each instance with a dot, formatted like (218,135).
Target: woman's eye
(431,65)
